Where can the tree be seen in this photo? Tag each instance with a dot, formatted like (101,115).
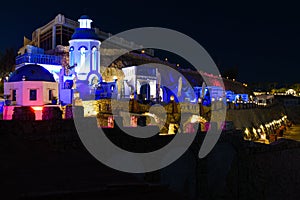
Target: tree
(7,62)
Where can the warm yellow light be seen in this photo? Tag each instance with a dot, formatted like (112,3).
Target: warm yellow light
(143,51)
(172,98)
(199,100)
(263,136)
(254,131)
(195,118)
(247,132)
(35,108)
(131,96)
(259,130)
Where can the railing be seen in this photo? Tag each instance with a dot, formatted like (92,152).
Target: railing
(38,58)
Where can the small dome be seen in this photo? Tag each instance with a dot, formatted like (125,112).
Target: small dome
(85,33)
(31,72)
(84,17)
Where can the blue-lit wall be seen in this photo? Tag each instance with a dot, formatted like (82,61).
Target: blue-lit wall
(106,90)
(1,106)
(85,54)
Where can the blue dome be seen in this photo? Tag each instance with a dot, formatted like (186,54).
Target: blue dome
(84,17)
(85,33)
(31,73)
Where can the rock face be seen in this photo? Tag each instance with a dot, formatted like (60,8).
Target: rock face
(255,117)
(235,169)
(266,172)
(238,169)
(293,112)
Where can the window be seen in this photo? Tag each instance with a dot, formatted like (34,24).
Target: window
(14,95)
(71,55)
(50,95)
(32,95)
(94,58)
(82,57)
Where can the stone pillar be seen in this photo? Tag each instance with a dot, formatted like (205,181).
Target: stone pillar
(53,37)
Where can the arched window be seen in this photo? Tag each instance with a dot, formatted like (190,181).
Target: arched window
(83,51)
(71,56)
(94,58)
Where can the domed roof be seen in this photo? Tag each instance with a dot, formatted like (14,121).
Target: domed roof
(84,17)
(31,72)
(85,33)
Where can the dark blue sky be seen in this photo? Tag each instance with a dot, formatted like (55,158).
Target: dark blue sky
(261,39)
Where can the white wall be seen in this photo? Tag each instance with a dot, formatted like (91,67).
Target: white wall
(49,86)
(22,92)
(83,70)
(138,80)
(9,86)
(130,76)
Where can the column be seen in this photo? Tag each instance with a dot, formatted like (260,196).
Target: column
(53,37)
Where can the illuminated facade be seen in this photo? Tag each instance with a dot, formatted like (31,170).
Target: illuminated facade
(142,81)
(31,85)
(82,72)
(84,59)
(84,52)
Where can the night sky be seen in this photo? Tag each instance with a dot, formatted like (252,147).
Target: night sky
(261,39)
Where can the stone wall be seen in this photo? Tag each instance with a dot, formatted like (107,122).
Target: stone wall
(256,116)
(293,112)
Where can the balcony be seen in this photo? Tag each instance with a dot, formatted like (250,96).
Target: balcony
(38,59)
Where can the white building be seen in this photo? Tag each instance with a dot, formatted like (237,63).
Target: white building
(140,80)
(84,51)
(30,85)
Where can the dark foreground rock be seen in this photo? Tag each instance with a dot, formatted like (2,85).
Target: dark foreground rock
(46,160)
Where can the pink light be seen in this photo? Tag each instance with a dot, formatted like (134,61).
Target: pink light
(36,108)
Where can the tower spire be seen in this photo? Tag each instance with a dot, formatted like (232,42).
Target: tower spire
(85,22)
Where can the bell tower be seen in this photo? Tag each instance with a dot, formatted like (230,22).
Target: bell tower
(84,54)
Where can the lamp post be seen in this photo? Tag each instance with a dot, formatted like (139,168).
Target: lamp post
(220,103)
(172,117)
(228,104)
(133,118)
(200,106)
(213,103)
(173,103)
(131,103)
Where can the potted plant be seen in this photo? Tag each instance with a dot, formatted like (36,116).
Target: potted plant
(54,100)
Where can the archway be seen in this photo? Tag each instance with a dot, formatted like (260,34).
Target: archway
(145,91)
